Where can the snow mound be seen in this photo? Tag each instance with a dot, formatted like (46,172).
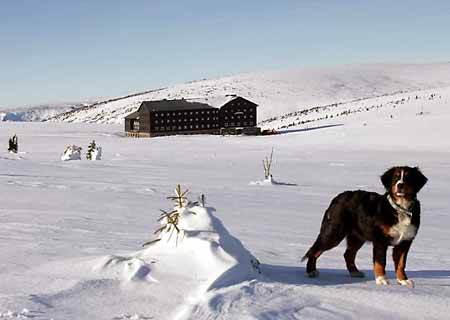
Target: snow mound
(270,182)
(202,248)
(72,152)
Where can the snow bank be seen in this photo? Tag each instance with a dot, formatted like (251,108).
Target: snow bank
(72,152)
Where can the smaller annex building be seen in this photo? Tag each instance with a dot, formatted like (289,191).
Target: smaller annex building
(227,115)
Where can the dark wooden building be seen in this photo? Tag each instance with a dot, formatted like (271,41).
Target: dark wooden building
(238,115)
(168,117)
(230,115)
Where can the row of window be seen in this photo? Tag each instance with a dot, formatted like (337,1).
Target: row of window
(237,124)
(238,117)
(185,113)
(185,120)
(187,127)
(238,110)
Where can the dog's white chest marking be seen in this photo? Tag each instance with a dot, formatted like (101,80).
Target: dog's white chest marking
(403,230)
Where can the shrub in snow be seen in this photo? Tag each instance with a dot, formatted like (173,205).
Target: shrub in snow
(13,145)
(72,152)
(267,164)
(170,220)
(94,152)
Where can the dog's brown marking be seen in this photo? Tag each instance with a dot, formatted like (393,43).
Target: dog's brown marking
(399,255)
(378,269)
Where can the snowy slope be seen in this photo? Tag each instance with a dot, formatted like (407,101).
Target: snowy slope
(281,92)
(37,113)
(61,221)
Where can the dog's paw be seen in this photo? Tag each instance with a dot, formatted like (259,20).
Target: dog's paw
(381,281)
(357,274)
(407,282)
(312,274)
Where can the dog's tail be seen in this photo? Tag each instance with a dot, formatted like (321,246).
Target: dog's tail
(311,252)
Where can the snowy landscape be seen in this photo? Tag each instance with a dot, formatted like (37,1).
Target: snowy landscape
(72,232)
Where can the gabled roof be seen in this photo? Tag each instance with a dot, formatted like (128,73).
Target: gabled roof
(173,105)
(219,101)
(134,115)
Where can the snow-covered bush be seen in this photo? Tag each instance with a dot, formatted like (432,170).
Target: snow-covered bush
(72,152)
(13,145)
(94,152)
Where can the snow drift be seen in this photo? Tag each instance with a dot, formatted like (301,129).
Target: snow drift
(203,243)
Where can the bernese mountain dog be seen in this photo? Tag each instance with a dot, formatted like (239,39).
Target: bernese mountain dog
(391,219)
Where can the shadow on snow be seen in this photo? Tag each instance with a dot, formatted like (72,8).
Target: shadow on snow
(309,129)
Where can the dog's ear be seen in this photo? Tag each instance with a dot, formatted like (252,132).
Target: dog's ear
(419,179)
(386,178)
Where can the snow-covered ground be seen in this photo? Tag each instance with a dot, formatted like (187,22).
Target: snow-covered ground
(283,91)
(71,232)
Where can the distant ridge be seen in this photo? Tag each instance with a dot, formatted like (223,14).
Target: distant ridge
(280,92)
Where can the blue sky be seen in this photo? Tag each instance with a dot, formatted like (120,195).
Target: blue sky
(69,50)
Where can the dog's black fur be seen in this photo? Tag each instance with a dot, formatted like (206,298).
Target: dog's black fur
(361,216)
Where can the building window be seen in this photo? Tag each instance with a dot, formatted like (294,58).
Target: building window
(156,128)
(162,128)
(134,125)
(245,123)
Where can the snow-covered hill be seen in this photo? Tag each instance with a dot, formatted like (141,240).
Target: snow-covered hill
(39,112)
(282,92)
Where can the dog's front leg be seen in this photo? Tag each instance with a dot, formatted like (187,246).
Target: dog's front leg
(379,263)
(399,254)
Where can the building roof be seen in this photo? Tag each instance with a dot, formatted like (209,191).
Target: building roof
(134,115)
(218,101)
(173,105)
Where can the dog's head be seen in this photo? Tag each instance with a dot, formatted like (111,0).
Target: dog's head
(403,182)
